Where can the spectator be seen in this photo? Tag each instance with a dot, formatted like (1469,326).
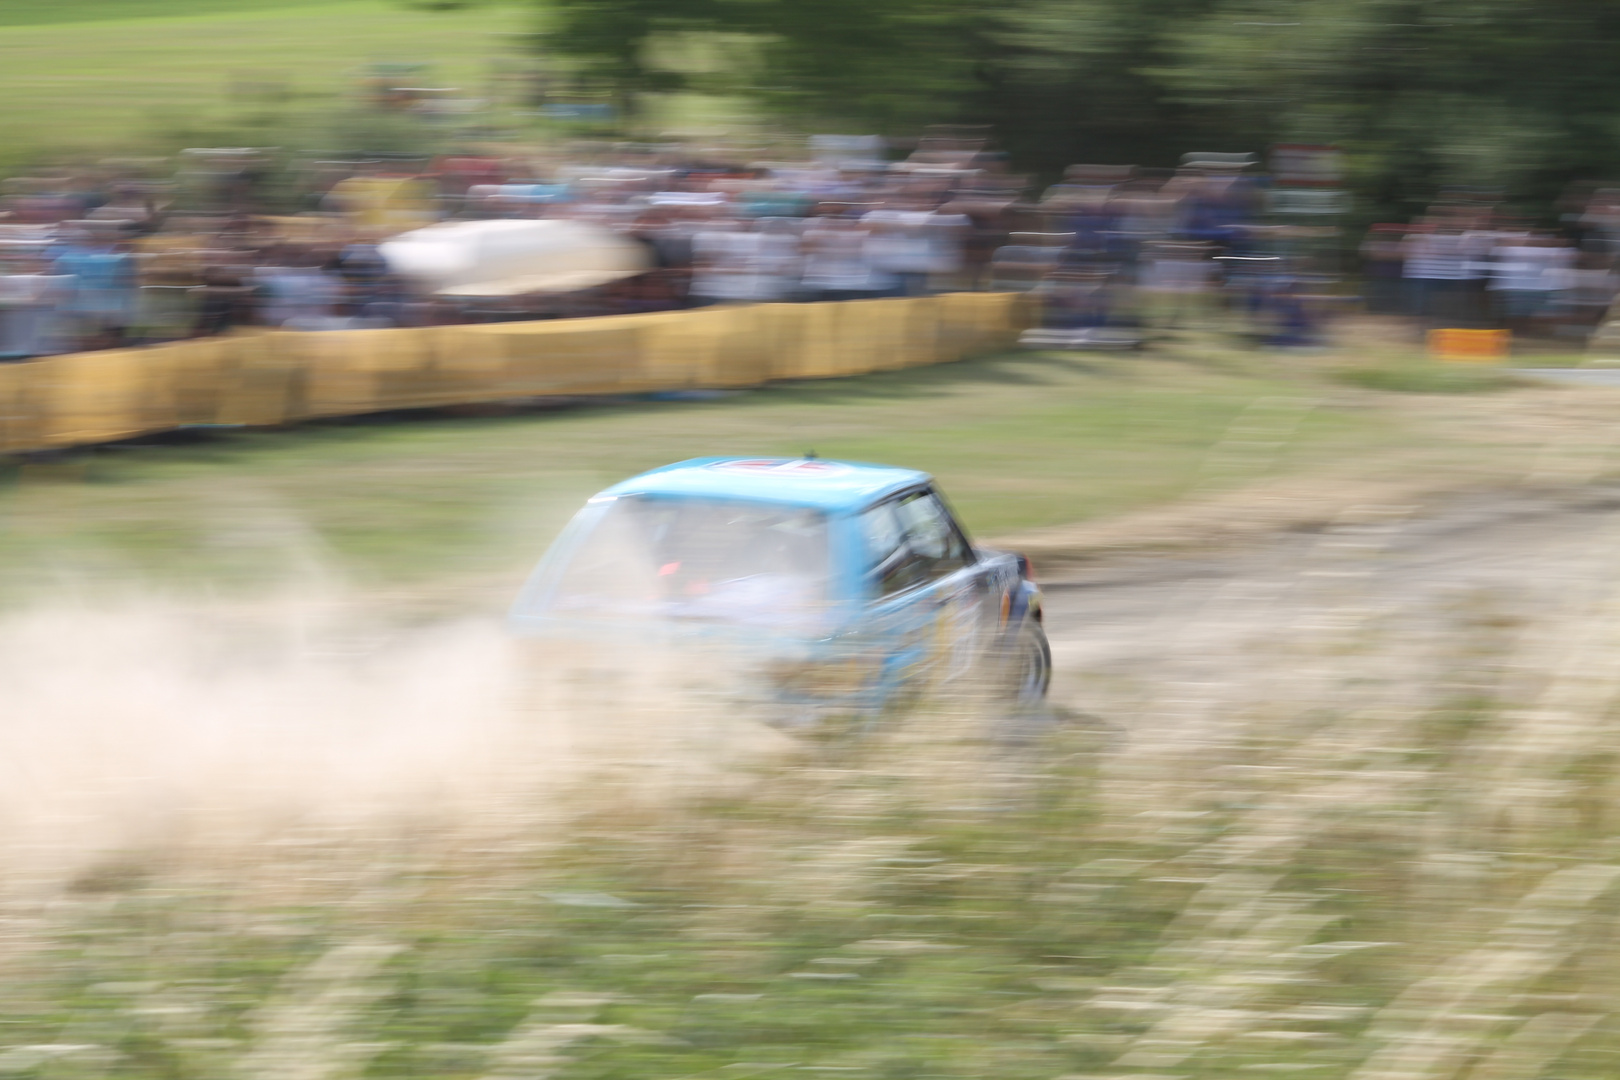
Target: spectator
(30,298)
(1381,257)
(1526,274)
(222,302)
(899,248)
(1436,271)
(721,265)
(342,313)
(1177,279)
(103,301)
(301,291)
(837,262)
(1593,287)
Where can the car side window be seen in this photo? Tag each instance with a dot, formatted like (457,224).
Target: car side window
(894,567)
(931,534)
(912,540)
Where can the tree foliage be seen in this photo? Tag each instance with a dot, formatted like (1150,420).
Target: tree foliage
(890,63)
(1521,95)
(1517,95)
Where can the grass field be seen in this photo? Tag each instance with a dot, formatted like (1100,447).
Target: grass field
(1018,442)
(1312,883)
(88,80)
(57,12)
(278,800)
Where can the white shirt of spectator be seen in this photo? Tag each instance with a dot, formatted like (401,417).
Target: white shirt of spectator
(837,259)
(744,267)
(1441,257)
(1531,268)
(916,242)
(29,320)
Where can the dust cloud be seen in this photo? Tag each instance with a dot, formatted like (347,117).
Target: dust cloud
(152,734)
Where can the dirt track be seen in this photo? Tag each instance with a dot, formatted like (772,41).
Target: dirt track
(1381,607)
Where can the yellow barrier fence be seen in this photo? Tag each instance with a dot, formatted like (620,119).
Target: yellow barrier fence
(264,378)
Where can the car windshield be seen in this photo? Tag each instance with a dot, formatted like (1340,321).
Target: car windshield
(694,558)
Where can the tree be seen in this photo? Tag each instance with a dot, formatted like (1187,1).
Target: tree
(893,64)
(611,41)
(1516,95)
(1086,81)
(1521,95)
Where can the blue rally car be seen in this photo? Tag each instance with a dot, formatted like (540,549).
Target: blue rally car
(830,586)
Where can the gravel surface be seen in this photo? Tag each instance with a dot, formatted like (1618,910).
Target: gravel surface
(1375,607)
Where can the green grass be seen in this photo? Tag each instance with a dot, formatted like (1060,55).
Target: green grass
(57,12)
(1550,359)
(1017,442)
(1417,374)
(99,85)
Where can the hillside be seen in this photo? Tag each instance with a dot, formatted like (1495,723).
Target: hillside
(103,78)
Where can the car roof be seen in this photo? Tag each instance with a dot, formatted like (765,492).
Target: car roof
(812,482)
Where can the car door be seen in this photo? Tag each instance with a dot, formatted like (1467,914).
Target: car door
(966,611)
(927,602)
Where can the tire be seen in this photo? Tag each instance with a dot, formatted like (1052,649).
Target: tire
(1028,670)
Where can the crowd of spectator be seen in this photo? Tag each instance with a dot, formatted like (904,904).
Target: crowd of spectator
(104,259)
(1198,246)
(93,261)
(1209,245)
(1468,265)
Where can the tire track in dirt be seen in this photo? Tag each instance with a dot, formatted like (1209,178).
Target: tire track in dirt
(1296,676)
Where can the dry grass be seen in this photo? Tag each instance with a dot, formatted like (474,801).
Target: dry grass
(1391,856)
